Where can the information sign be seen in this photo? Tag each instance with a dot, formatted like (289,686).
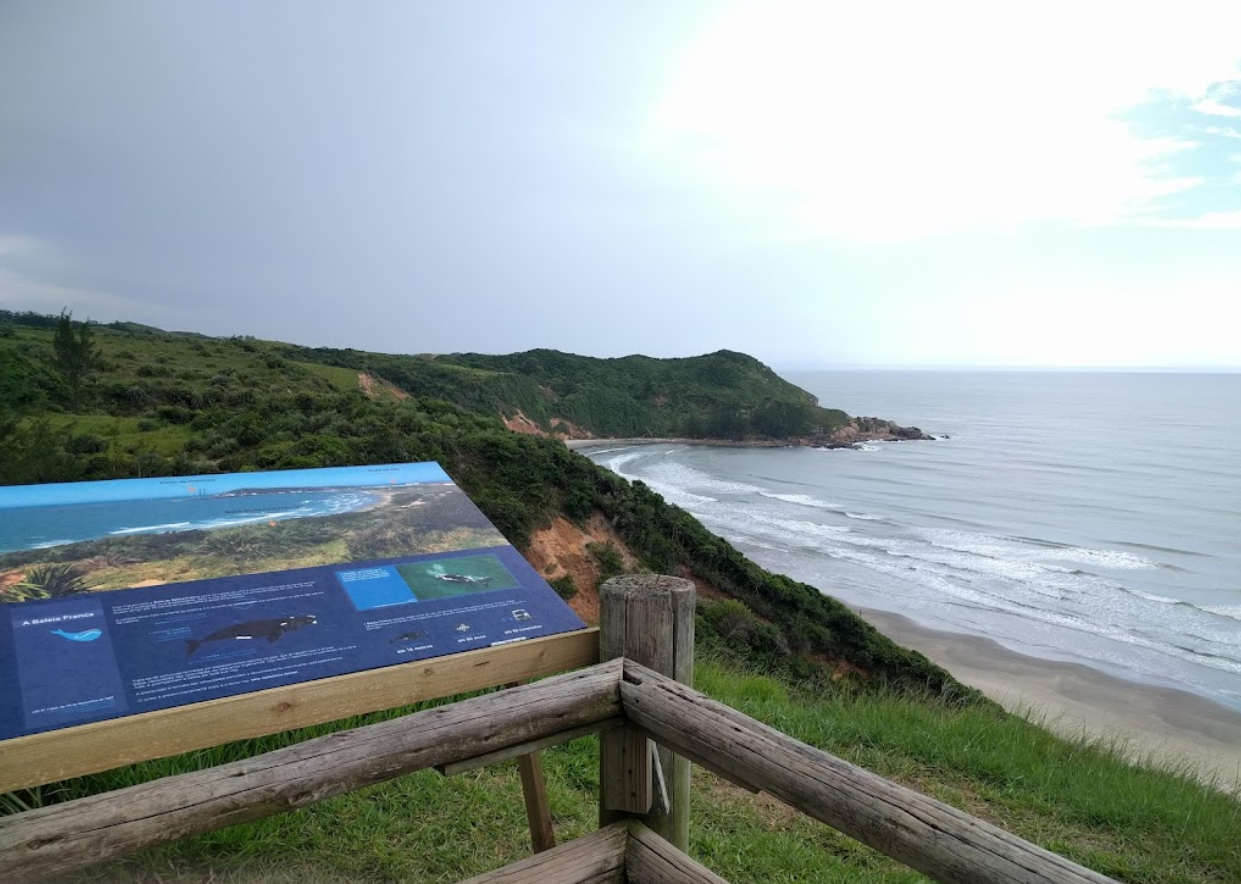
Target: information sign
(133,595)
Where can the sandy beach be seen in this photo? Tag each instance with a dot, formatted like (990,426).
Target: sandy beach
(1158,724)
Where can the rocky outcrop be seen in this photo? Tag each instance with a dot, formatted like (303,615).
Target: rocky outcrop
(867,429)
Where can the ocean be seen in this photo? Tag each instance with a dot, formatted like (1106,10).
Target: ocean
(1085,517)
(39,527)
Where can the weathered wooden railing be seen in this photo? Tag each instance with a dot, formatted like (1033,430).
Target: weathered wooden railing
(932,837)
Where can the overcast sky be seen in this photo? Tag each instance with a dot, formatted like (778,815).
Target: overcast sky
(813,183)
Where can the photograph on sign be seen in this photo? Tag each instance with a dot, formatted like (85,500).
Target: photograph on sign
(128,596)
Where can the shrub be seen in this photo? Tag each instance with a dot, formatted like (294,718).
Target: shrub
(564,586)
(609,559)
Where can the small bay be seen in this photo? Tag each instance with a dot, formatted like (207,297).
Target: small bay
(1092,518)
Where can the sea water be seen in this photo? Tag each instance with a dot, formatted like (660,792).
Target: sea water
(38,527)
(1087,517)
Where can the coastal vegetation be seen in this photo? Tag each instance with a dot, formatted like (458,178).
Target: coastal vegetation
(722,395)
(166,403)
(161,403)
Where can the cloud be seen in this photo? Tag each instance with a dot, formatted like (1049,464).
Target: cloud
(1213,105)
(1221,131)
(1214,108)
(1205,221)
(878,122)
(20,291)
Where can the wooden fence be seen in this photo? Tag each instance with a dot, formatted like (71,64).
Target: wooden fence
(631,703)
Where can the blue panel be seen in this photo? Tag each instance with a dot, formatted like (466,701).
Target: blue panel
(88,653)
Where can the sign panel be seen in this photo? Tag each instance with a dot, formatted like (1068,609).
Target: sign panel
(133,595)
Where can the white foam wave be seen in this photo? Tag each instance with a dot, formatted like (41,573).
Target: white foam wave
(152,529)
(658,480)
(801,500)
(1009,547)
(1086,620)
(49,543)
(678,496)
(687,478)
(247,520)
(1232,611)
(1152,597)
(864,517)
(615,463)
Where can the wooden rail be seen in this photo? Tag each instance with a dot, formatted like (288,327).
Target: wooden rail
(64,837)
(624,852)
(90,748)
(938,840)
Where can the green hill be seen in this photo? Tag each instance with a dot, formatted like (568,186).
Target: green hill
(163,403)
(723,395)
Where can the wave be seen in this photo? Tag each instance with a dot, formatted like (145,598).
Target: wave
(1000,546)
(1160,599)
(1164,549)
(801,500)
(45,544)
(1232,612)
(864,517)
(1218,653)
(615,463)
(994,575)
(153,529)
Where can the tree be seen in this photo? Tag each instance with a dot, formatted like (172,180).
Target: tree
(74,355)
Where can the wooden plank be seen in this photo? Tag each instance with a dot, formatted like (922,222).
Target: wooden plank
(597,858)
(58,755)
(938,840)
(459,767)
(538,812)
(650,859)
(65,837)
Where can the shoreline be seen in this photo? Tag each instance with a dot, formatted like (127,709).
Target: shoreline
(578,444)
(851,441)
(1152,724)
(1158,725)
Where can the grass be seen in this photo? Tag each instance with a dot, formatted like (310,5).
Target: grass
(126,434)
(1081,799)
(343,379)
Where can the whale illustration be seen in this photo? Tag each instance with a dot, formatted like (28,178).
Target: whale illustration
(462,578)
(272,630)
(86,635)
(409,636)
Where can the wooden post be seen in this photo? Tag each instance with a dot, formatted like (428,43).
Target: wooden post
(534,791)
(649,619)
(538,813)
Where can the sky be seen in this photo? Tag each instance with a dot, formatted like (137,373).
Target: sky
(813,183)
